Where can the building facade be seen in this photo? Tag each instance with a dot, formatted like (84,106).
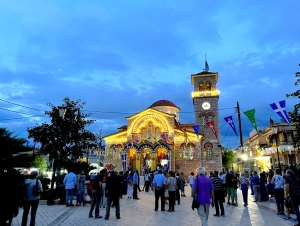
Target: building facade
(155,135)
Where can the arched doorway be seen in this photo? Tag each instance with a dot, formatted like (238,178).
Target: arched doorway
(132,154)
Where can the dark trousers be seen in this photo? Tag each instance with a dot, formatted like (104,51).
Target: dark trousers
(147,185)
(279,197)
(245,195)
(224,190)
(27,204)
(95,202)
(219,197)
(116,203)
(134,194)
(177,196)
(295,204)
(160,193)
(171,200)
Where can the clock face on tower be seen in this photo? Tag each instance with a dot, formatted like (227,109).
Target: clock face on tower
(206,105)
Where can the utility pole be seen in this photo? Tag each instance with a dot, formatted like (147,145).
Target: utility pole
(100,144)
(240,126)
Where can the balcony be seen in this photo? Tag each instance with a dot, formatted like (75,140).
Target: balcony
(212,93)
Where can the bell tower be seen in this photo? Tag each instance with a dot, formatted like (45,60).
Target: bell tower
(205,99)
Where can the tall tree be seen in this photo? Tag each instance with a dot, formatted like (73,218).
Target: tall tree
(65,137)
(295,115)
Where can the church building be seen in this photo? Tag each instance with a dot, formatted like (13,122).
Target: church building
(156,136)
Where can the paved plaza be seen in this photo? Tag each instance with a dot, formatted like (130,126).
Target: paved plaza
(141,212)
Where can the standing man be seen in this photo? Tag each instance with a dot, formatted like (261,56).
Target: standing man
(159,181)
(135,182)
(230,187)
(256,187)
(97,194)
(204,193)
(113,188)
(70,183)
(191,182)
(218,194)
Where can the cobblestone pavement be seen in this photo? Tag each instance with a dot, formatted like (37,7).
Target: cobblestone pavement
(141,212)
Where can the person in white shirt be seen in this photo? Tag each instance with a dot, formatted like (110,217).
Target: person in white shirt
(191,181)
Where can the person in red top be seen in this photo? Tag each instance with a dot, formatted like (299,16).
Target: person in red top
(104,198)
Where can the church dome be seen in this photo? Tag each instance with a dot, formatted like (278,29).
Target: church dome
(163,103)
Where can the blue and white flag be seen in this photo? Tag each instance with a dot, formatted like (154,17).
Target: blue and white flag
(279,108)
(206,66)
(229,120)
(124,161)
(196,129)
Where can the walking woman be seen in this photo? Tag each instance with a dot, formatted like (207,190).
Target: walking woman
(278,182)
(30,199)
(147,181)
(263,189)
(171,182)
(80,193)
(244,182)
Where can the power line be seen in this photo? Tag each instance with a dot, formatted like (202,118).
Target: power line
(8,119)
(23,113)
(6,101)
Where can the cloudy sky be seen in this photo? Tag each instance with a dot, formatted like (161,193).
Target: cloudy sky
(121,56)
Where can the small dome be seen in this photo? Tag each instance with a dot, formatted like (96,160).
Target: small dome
(163,103)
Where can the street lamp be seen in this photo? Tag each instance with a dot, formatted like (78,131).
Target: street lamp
(61,113)
(275,131)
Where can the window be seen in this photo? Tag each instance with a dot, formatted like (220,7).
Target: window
(203,121)
(208,86)
(210,118)
(201,86)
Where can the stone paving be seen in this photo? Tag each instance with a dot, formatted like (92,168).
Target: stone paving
(141,212)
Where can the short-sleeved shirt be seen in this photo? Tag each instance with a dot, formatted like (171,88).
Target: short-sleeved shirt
(172,184)
(97,179)
(204,187)
(255,180)
(278,182)
(217,182)
(159,180)
(294,186)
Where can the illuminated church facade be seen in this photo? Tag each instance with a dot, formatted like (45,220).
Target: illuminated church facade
(156,136)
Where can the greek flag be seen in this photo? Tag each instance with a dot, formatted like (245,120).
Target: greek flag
(279,108)
(124,161)
(206,66)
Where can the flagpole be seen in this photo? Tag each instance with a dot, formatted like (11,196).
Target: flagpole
(240,126)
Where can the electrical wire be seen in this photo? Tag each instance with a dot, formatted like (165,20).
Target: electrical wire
(23,113)
(6,101)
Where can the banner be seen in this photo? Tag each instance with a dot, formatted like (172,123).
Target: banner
(163,136)
(229,120)
(211,124)
(168,164)
(196,129)
(251,116)
(124,161)
(279,108)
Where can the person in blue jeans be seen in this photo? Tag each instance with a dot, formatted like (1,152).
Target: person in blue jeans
(70,181)
(256,187)
(244,182)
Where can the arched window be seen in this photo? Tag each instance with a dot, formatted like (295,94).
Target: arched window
(201,86)
(208,86)
(210,118)
(203,120)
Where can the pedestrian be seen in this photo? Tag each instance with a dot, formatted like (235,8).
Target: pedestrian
(103,201)
(230,187)
(80,191)
(293,190)
(251,184)
(278,182)
(97,194)
(159,181)
(256,187)
(244,183)
(263,189)
(171,182)
(182,184)
(218,194)
(147,181)
(204,194)
(130,186)
(223,177)
(135,182)
(112,191)
(31,200)
(138,175)
(191,182)
(70,181)
(177,194)
(235,186)
(122,178)
(166,188)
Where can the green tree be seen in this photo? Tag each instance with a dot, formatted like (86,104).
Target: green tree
(295,115)
(40,162)
(66,137)
(227,158)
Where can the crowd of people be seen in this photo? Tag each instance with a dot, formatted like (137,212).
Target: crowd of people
(109,186)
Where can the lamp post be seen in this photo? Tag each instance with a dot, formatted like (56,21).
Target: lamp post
(87,151)
(244,157)
(275,131)
(61,114)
